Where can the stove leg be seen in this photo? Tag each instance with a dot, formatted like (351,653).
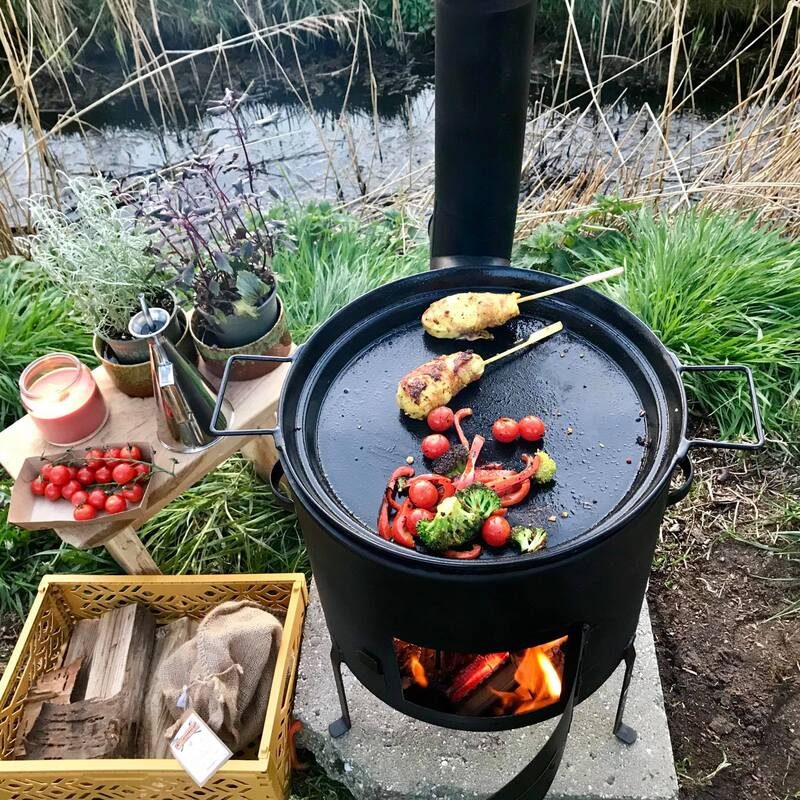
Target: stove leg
(343,724)
(622,731)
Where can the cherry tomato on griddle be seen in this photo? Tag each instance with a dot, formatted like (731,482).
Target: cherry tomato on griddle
(496,531)
(506,430)
(434,446)
(531,428)
(423,494)
(440,419)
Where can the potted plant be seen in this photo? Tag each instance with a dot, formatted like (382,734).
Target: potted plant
(97,258)
(212,231)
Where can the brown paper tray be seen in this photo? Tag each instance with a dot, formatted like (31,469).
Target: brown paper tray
(37,513)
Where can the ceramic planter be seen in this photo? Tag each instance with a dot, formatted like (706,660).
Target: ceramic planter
(238,330)
(275,342)
(134,379)
(134,351)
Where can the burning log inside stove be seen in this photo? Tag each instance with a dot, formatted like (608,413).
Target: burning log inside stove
(538,676)
(473,675)
(483,684)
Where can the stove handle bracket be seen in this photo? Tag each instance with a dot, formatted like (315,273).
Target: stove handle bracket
(534,781)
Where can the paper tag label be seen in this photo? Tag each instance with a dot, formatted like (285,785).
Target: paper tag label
(198,749)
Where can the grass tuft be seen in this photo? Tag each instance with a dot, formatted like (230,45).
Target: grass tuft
(35,319)
(716,289)
(336,259)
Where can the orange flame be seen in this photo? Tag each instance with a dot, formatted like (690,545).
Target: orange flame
(539,680)
(418,672)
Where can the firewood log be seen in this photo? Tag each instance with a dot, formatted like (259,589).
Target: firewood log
(105,723)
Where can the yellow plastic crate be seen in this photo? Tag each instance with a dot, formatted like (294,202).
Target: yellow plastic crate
(64,599)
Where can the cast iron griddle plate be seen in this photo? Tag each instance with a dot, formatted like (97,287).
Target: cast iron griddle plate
(591,410)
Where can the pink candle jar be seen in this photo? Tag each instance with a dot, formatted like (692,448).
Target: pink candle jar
(62,398)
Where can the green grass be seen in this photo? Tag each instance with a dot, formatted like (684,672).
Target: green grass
(716,289)
(335,259)
(34,319)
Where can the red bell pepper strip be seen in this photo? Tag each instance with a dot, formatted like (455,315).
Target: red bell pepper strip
(484,475)
(501,512)
(457,417)
(468,476)
(517,496)
(441,482)
(399,532)
(384,529)
(463,555)
(400,472)
(505,485)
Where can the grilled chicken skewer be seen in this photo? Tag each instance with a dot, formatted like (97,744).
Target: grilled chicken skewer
(467,315)
(437,381)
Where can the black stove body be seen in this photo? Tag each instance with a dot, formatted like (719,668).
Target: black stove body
(405,619)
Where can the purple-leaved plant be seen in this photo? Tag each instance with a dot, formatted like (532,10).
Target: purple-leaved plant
(217,241)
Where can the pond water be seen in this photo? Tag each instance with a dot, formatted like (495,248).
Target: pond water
(329,149)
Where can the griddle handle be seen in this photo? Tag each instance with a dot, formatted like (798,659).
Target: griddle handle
(684,462)
(223,387)
(751,384)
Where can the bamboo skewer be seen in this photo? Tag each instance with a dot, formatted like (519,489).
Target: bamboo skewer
(600,276)
(543,333)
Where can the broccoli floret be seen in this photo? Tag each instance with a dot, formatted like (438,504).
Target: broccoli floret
(479,499)
(452,526)
(547,468)
(452,462)
(529,540)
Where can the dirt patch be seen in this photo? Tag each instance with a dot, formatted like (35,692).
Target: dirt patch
(731,677)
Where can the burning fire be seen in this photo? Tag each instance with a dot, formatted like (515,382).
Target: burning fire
(418,672)
(538,678)
(487,683)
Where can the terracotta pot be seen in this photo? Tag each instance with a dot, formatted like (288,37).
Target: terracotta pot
(275,342)
(134,379)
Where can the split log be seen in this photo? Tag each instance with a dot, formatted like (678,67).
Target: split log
(156,718)
(81,646)
(55,686)
(105,723)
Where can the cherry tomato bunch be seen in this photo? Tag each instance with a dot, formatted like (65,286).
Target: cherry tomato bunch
(104,480)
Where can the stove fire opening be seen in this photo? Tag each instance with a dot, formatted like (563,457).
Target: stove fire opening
(482,684)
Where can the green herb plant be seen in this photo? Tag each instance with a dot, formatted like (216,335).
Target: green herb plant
(94,254)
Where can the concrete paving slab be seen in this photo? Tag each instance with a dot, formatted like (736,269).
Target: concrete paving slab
(388,756)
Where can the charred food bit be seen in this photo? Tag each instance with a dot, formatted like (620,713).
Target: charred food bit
(436,381)
(452,463)
(467,315)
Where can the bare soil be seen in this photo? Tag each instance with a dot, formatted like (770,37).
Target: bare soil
(731,676)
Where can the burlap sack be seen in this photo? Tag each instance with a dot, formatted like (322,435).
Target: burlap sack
(224,672)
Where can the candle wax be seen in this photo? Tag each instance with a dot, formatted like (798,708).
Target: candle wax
(67,410)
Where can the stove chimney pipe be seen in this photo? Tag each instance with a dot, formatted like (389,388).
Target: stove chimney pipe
(483,61)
